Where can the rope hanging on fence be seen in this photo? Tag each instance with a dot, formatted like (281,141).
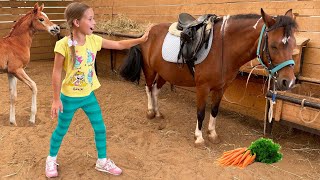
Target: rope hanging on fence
(301,116)
(245,91)
(272,100)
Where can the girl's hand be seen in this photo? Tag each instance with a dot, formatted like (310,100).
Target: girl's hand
(56,106)
(144,38)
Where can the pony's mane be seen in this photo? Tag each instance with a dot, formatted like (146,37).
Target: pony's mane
(246,16)
(18,23)
(288,23)
(281,21)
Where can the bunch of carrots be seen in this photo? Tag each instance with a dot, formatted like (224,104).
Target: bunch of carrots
(240,157)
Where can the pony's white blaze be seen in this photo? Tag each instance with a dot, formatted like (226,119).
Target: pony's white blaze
(52,29)
(44,14)
(212,127)
(285,40)
(198,135)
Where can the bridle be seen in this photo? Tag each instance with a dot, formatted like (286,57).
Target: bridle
(272,69)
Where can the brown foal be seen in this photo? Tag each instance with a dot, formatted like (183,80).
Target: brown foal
(15,50)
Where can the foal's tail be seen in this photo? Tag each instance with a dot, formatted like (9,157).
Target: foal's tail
(131,67)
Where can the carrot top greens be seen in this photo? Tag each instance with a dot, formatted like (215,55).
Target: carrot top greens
(266,151)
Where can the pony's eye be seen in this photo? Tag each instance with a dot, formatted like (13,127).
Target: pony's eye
(41,19)
(274,47)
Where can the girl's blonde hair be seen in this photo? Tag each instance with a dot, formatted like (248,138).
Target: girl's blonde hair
(74,11)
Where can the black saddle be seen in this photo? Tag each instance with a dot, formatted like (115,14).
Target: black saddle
(193,36)
(184,20)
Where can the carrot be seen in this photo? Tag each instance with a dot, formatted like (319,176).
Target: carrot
(225,157)
(244,156)
(231,152)
(234,156)
(224,160)
(240,164)
(246,161)
(251,160)
(228,156)
(234,150)
(237,160)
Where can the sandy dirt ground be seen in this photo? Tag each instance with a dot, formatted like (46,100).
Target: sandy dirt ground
(135,143)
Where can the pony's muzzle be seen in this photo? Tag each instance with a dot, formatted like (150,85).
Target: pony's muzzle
(54,30)
(286,83)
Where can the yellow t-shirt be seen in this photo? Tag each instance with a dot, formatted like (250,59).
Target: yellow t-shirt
(81,78)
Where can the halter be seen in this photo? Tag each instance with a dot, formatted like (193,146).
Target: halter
(272,69)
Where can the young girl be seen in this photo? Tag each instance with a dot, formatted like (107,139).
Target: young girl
(76,54)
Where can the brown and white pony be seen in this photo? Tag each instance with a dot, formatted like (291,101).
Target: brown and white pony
(237,39)
(15,54)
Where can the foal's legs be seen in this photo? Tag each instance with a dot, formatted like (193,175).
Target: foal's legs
(21,75)
(216,99)
(202,94)
(13,96)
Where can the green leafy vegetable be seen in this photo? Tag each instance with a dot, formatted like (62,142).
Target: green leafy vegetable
(266,151)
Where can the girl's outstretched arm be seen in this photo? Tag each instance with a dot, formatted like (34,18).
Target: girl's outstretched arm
(125,44)
(56,84)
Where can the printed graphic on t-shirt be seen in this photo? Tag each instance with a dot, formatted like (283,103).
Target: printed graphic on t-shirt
(90,57)
(90,75)
(78,61)
(81,77)
(78,81)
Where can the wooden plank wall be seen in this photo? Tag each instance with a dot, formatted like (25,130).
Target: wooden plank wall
(43,43)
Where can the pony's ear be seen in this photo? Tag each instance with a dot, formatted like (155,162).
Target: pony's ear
(268,20)
(42,7)
(289,13)
(35,8)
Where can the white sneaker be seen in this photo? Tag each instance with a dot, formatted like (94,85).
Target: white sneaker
(109,167)
(51,167)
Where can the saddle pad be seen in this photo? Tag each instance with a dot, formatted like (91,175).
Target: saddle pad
(171,48)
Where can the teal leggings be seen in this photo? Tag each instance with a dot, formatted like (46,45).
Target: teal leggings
(90,106)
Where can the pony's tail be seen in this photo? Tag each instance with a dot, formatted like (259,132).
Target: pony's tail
(131,67)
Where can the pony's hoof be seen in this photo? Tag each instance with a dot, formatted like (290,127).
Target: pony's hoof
(214,139)
(150,114)
(199,143)
(162,125)
(13,123)
(32,121)
(159,116)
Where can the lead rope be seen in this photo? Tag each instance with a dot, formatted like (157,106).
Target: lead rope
(301,116)
(245,90)
(272,100)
